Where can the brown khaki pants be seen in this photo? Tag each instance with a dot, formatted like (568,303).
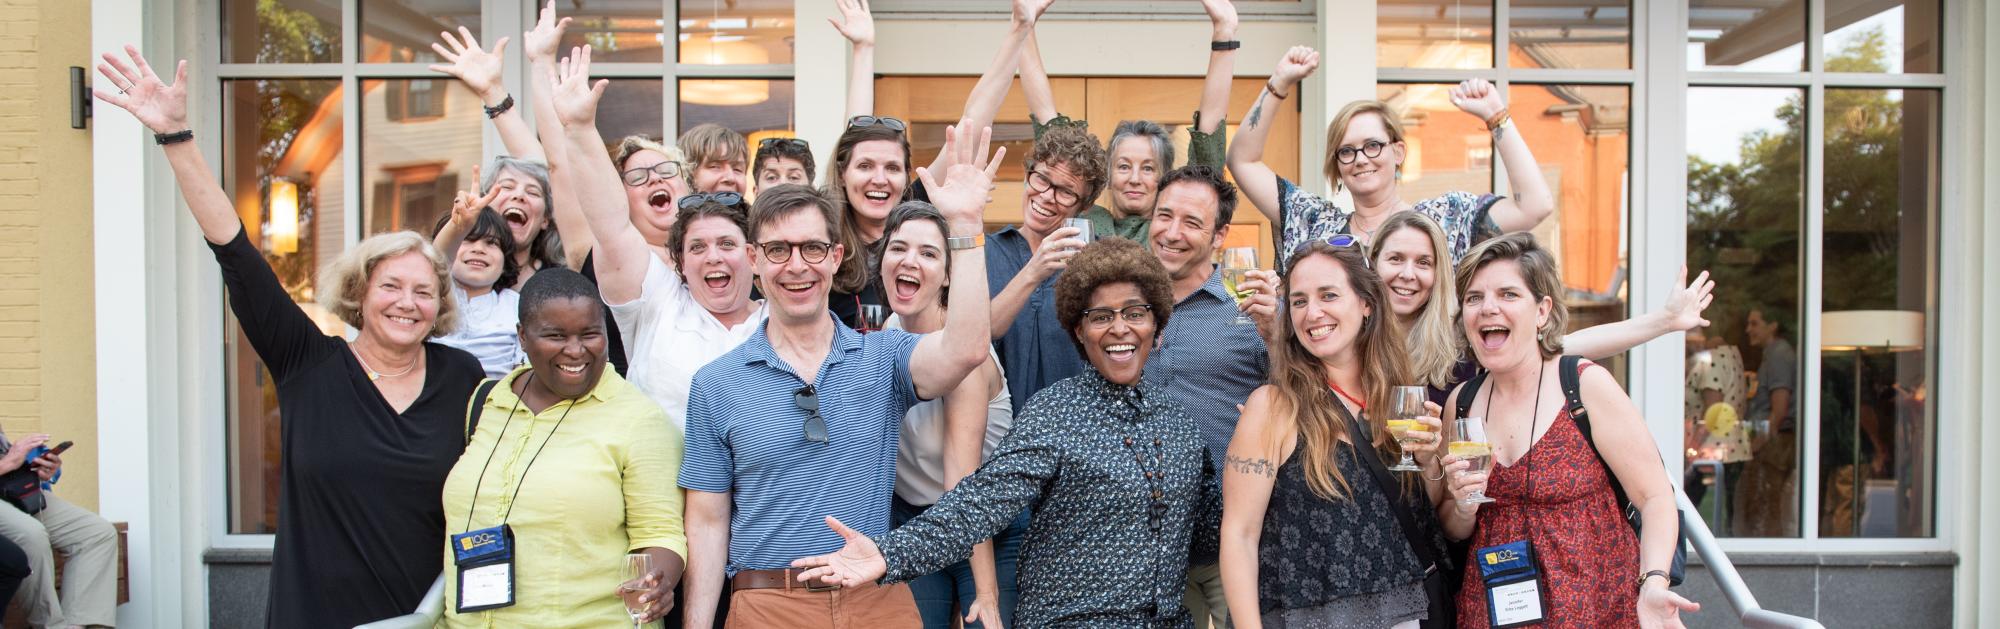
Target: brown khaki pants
(867,606)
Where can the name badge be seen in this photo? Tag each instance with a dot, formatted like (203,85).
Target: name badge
(1513,579)
(485,560)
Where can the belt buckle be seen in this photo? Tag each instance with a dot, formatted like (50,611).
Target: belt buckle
(815,585)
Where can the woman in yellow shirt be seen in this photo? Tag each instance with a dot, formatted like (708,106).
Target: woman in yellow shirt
(569,468)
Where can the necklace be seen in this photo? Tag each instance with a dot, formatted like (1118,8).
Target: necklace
(374,375)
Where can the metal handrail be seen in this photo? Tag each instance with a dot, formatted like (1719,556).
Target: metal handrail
(1726,578)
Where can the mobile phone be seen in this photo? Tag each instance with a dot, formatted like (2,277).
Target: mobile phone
(60,447)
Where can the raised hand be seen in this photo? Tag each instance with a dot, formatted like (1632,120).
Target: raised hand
(541,42)
(855,23)
(1222,15)
(1262,306)
(1689,299)
(968,177)
(159,106)
(465,207)
(478,68)
(1297,64)
(1027,12)
(574,95)
(857,562)
(1478,97)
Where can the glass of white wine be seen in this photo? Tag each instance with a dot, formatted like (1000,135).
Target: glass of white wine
(1472,445)
(1407,402)
(1237,263)
(637,567)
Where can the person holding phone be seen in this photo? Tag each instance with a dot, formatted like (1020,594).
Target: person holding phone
(88,541)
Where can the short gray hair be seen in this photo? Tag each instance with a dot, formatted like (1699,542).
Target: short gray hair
(1163,145)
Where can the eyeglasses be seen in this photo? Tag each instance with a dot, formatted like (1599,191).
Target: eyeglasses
(778,251)
(730,199)
(639,176)
(782,142)
(869,121)
(1371,148)
(808,401)
(1039,183)
(1100,318)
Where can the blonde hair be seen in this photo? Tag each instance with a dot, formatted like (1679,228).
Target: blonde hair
(344,283)
(1338,130)
(1431,339)
(1538,271)
(632,144)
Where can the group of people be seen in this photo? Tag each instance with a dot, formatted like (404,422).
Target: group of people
(849,406)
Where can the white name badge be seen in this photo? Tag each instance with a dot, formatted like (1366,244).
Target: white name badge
(486,587)
(1515,604)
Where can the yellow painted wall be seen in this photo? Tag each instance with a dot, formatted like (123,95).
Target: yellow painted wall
(47,349)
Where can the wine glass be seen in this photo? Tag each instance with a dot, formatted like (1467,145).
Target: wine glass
(1472,445)
(637,567)
(1237,263)
(1407,402)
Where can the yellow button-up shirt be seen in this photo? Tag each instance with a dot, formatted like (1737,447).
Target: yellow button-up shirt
(603,486)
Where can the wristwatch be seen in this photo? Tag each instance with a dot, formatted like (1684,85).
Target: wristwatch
(176,137)
(1219,46)
(958,243)
(1641,584)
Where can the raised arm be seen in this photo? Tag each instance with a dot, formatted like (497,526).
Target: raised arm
(163,109)
(1246,157)
(1249,472)
(984,101)
(479,70)
(465,209)
(540,44)
(1214,107)
(1681,313)
(858,26)
(1532,201)
(943,358)
(621,251)
(1035,82)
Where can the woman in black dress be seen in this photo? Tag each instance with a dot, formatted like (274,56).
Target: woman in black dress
(371,427)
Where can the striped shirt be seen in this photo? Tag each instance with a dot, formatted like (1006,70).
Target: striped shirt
(746,436)
(1209,363)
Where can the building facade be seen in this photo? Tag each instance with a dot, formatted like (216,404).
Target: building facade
(1825,159)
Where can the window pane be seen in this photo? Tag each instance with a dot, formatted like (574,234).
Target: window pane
(632,107)
(419,141)
(1746,171)
(281,31)
(402,31)
(632,32)
(1581,137)
(1434,34)
(1444,149)
(744,105)
(1900,37)
(736,32)
(1877,436)
(281,166)
(1752,36)
(1570,34)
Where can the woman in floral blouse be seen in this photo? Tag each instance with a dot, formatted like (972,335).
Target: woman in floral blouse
(1117,474)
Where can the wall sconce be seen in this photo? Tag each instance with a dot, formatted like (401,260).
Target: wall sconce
(284,230)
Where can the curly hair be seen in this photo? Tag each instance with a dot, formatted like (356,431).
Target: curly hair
(1538,271)
(1074,148)
(1112,261)
(738,215)
(344,283)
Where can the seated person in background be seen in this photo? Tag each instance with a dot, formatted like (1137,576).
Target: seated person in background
(718,155)
(90,574)
(477,245)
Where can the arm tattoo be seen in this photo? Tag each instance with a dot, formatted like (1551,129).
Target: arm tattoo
(1254,467)
(1256,111)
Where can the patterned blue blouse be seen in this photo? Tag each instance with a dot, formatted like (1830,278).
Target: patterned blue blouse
(1305,217)
(1120,485)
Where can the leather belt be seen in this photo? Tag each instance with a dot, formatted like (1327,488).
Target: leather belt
(776,579)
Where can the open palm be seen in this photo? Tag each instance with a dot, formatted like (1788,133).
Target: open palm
(477,67)
(575,98)
(855,23)
(968,176)
(1685,305)
(540,43)
(857,562)
(159,106)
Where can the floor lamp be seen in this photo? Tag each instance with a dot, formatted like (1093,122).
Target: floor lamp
(1859,331)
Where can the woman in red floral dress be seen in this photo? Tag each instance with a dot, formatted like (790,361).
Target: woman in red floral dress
(1548,485)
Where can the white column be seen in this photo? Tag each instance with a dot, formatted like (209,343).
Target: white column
(1979,519)
(1346,43)
(819,70)
(1659,222)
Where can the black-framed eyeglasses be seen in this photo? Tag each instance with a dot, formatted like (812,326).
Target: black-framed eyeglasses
(808,401)
(725,198)
(1100,318)
(1039,183)
(794,143)
(639,176)
(869,121)
(1371,148)
(778,251)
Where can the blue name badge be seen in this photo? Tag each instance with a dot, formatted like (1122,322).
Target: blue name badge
(1513,581)
(482,546)
(485,561)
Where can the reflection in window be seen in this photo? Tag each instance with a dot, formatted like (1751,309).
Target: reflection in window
(282,171)
(280,31)
(632,107)
(1434,34)
(1734,35)
(402,31)
(1570,34)
(1877,436)
(412,163)
(1440,142)
(1901,37)
(743,105)
(1746,172)
(615,32)
(736,32)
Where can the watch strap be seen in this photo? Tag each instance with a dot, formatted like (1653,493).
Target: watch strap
(958,243)
(1219,46)
(176,137)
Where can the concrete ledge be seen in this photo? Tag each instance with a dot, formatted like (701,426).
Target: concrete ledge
(236,556)
(1860,560)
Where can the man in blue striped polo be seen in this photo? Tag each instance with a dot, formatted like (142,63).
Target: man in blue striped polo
(801,420)
(1207,360)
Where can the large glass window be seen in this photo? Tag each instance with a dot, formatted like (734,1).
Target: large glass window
(419,141)
(1751,36)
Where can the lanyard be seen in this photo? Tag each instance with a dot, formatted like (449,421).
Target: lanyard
(524,471)
(1534,419)
(1357,401)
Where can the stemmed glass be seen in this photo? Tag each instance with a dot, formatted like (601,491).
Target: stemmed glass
(637,567)
(1237,263)
(1408,406)
(1471,445)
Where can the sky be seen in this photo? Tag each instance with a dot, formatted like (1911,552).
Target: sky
(1718,118)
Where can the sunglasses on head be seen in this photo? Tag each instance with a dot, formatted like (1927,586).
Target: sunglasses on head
(870,121)
(782,142)
(725,198)
(1346,241)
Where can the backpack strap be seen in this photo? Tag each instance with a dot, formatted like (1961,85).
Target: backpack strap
(478,404)
(1570,372)
(1468,391)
